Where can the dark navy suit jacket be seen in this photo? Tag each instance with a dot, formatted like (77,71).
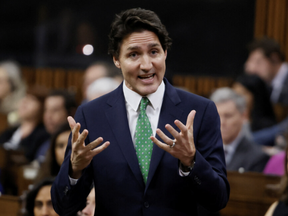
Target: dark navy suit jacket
(119,186)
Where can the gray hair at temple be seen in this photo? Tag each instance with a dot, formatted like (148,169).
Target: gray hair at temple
(225,94)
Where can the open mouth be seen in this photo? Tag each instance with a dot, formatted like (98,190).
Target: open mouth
(149,76)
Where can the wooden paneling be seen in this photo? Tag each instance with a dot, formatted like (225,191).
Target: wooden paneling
(9,205)
(201,85)
(271,19)
(249,194)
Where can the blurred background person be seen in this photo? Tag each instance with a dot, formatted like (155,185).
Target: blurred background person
(98,70)
(259,107)
(241,154)
(55,154)
(30,133)
(58,105)
(12,89)
(38,200)
(267,61)
(89,210)
(100,87)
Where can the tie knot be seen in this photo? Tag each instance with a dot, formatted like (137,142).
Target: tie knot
(143,104)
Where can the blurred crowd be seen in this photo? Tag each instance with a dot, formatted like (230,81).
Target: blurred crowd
(36,129)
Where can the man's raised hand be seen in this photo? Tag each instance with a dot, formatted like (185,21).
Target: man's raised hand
(81,154)
(182,146)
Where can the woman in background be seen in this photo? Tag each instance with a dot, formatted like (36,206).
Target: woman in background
(56,153)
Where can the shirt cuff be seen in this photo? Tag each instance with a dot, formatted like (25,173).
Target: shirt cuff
(182,173)
(72,181)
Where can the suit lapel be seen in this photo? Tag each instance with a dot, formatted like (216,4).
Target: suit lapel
(117,118)
(169,113)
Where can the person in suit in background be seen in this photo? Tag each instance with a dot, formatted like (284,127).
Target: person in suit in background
(241,154)
(267,61)
(58,105)
(170,167)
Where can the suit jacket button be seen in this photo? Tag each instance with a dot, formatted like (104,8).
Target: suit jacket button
(146,204)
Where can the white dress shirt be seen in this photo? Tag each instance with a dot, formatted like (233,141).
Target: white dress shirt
(230,148)
(278,81)
(132,101)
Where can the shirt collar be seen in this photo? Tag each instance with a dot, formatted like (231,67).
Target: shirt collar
(231,147)
(133,98)
(280,76)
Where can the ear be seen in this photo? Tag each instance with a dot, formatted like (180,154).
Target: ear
(116,62)
(165,53)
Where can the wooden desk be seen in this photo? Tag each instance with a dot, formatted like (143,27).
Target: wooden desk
(9,205)
(249,194)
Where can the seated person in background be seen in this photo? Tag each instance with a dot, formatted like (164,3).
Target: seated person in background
(100,87)
(280,207)
(90,205)
(59,104)
(260,110)
(240,153)
(55,155)
(38,200)
(267,61)
(30,133)
(12,89)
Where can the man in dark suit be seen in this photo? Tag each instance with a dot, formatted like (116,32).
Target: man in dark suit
(241,154)
(170,167)
(268,62)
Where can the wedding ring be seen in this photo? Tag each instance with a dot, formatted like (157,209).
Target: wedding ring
(173,144)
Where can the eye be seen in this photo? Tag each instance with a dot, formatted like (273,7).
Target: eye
(133,55)
(154,52)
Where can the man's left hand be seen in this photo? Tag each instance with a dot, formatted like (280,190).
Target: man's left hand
(184,147)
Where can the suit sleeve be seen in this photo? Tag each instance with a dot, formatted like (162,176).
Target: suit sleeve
(209,178)
(67,199)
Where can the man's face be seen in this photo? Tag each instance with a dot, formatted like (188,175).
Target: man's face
(257,63)
(55,113)
(231,120)
(43,204)
(142,62)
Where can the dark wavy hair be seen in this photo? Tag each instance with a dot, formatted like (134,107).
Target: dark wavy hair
(268,46)
(32,194)
(50,167)
(134,20)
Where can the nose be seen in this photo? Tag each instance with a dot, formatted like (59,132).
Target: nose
(45,211)
(146,63)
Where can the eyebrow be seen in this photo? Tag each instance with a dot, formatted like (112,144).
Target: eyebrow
(138,47)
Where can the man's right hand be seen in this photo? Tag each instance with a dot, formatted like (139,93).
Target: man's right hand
(81,155)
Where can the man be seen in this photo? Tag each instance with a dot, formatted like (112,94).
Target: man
(168,173)
(58,105)
(240,153)
(267,61)
(93,72)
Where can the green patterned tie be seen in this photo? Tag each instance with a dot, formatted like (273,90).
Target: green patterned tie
(143,144)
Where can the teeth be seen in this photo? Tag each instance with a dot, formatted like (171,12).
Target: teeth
(147,77)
